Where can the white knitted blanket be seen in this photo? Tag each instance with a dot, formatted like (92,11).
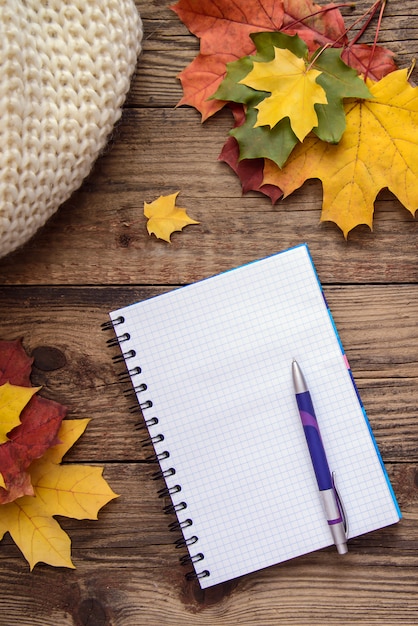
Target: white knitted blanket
(65,69)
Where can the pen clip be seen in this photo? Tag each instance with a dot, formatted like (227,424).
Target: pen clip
(340,504)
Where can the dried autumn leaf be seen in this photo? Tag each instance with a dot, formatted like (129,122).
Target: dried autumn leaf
(294,92)
(335,78)
(258,141)
(72,491)
(40,420)
(69,490)
(377,62)
(224,30)
(164,217)
(377,150)
(15,365)
(249,171)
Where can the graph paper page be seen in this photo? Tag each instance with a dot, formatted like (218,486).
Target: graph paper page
(216,359)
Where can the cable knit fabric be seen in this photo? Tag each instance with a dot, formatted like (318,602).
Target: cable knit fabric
(65,70)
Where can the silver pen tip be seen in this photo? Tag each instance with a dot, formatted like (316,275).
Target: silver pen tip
(342,548)
(299,382)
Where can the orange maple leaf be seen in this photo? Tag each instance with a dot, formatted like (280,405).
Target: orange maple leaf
(224,29)
(377,150)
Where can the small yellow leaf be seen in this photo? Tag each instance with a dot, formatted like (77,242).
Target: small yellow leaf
(164,217)
(294,92)
(13,400)
(2,483)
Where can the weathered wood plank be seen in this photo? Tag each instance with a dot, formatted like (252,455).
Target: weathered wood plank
(377,325)
(128,597)
(128,573)
(162,149)
(100,234)
(54,294)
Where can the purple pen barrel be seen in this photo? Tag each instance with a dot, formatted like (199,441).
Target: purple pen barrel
(314,441)
(319,460)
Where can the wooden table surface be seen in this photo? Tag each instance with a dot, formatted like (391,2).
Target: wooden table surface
(95,255)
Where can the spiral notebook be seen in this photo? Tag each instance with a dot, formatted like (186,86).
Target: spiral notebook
(211,366)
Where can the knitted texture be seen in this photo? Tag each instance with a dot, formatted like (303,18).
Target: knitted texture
(65,69)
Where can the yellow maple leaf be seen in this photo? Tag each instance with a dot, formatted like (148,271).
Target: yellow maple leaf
(294,92)
(13,400)
(164,217)
(378,149)
(2,483)
(39,536)
(76,491)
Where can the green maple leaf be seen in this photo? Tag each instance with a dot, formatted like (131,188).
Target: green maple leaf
(275,143)
(231,88)
(336,79)
(261,141)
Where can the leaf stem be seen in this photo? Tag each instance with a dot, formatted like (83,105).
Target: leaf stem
(321,10)
(371,12)
(379,23)
(411,69)
(315,57)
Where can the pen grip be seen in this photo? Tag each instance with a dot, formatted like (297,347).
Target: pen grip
(314,441)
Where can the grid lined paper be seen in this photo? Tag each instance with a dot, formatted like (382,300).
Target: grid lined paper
(216,358)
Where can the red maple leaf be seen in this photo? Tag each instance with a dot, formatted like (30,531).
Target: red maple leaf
(15,365)
(316,25)
(376,63)
(40,422)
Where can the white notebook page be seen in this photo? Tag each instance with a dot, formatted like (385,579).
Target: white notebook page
(216,358)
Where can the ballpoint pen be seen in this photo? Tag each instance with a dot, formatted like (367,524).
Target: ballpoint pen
(326,485)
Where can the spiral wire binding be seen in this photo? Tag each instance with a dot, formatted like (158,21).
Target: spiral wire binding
(151,441)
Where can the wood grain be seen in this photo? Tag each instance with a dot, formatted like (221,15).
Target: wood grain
(95,255)
(158,149)
(377,324)
(131,538)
